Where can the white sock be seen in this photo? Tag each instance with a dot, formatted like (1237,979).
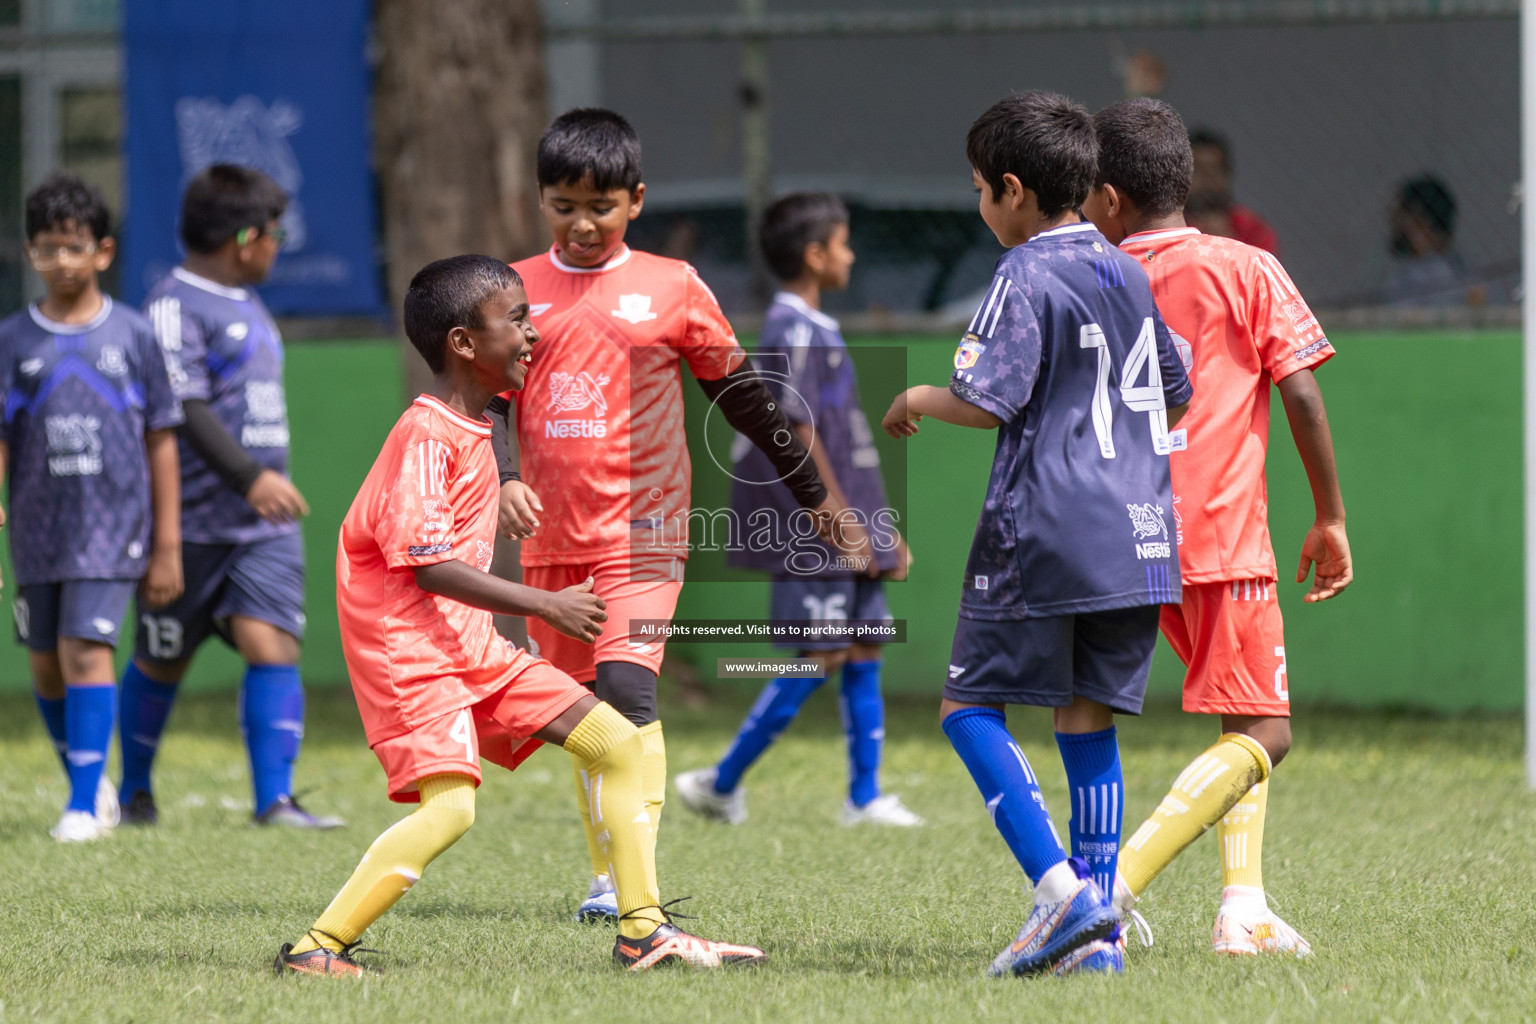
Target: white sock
(1056,884)
(1243,901)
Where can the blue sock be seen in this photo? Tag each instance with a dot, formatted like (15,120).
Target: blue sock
(1007,783)
(1095,786)
(53,720)
(272,718)
(88,712)
(776,707)
(143,707)
(864,725)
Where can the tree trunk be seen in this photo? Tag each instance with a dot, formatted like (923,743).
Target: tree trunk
(458,109)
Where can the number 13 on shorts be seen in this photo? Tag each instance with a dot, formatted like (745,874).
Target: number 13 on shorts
(463,731)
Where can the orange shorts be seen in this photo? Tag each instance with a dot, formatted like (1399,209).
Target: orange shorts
(498,729)
(1232,641)
(630,594)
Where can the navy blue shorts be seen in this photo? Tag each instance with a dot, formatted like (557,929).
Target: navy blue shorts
(852,600)
(1104,656)
(84,609)
(262,580)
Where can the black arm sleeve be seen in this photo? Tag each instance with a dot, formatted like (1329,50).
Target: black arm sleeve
(499,409)
(212,443)
(744,400)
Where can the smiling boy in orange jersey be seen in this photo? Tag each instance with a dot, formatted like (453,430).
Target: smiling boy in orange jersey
(606,476)
(1241,324)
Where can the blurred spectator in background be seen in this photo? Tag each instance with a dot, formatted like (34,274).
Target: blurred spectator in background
(1211,186)
(1212,214)
(1427,270)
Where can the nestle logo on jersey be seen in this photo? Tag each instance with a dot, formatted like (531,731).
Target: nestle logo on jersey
(1147,521)
(568,393)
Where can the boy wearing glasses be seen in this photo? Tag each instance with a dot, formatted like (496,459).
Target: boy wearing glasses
(241,546)
(87,439)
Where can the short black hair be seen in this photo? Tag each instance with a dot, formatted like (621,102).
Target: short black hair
(62,199)
(1144,152)
(1044,139)
(590,142)
(447,294)
(1431,198)
(224,199)
(1217,141)
(794,222)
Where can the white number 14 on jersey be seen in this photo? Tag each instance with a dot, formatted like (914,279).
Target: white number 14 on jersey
(1146,398)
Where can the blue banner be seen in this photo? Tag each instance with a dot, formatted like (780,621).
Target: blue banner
(281,85)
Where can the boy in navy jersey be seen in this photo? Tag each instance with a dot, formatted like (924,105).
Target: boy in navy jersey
(242,549)
(1069,361)
(88,438)
(811,377)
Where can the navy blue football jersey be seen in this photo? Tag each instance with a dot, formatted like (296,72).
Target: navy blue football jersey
(222,346)
(809,372)
(1068,350)
(77,401)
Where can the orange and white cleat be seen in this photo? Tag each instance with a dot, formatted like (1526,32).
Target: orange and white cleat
(1246,932)
(324,961)
(669,944)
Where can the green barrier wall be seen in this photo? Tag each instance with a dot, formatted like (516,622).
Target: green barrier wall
(1428,434)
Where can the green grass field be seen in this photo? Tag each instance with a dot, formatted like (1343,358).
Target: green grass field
(1401,846)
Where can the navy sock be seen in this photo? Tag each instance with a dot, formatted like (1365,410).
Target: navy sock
(143,707)
(980,736)
(1095,786)
(88,731)
(864,725)
(776,707)
(272,717)
(53,720)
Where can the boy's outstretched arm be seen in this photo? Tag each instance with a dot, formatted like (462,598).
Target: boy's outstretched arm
(1326,546)
(163,582)
(574,611)
(941,403)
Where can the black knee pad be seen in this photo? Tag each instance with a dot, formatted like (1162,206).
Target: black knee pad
(629,688)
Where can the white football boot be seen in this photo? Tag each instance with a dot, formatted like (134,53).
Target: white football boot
(79,827)
(886,809)
(697,791)
(1245,926)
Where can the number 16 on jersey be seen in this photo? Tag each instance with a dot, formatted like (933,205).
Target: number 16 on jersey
(1146,398)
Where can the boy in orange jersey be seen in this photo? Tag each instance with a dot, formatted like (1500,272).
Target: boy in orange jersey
(437,687)
(1240,324)
(604,491)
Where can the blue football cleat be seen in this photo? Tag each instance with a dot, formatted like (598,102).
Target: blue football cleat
(601,904)
(1101,956)
(1054,930)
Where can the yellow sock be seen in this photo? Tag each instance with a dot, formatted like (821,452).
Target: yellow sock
(614,754)
(1201,794)
(594,852)
(653,775)
(395,861)
(1242,839)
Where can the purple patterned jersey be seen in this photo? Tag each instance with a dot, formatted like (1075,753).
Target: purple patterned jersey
(78,399)
(809,372)
(1068,350)
(222,346)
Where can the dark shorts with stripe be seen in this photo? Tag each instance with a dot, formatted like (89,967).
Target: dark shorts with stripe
(262,580)
(82,609)
(852,600)
(1103,656)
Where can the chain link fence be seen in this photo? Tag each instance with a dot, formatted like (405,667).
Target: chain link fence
(1377,142)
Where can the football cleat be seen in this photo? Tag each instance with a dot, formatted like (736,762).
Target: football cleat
(1053,930)
(1101,956)
(1238,934)
(285,810)
(108,813)
(697,791)
(669,944)
(321,961)
(140,809)
(79,827)
(601,904)
(882,810)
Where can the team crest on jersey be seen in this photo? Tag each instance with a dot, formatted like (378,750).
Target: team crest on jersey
(111,362)
(571,394)
(635,308)
(969,351)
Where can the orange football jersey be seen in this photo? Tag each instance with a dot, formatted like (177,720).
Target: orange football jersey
(430,496)
(1239,324)
(600,416)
